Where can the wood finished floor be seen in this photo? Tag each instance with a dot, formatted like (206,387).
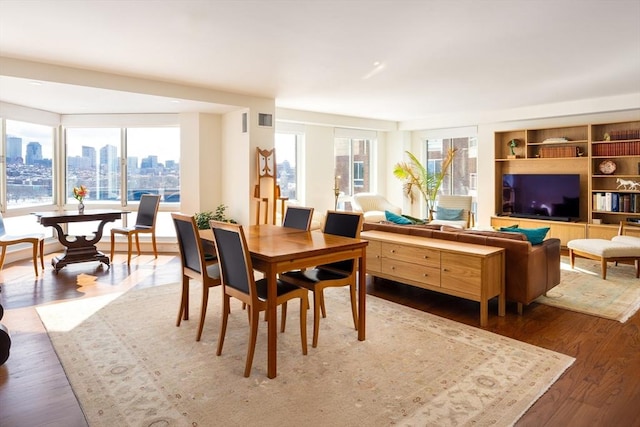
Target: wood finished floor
(602,388)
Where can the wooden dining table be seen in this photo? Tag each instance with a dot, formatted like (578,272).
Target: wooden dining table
(275,249)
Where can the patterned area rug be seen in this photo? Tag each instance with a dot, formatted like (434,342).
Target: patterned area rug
(130,365)
(583,290)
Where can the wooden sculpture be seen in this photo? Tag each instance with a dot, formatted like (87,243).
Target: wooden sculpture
(267,190)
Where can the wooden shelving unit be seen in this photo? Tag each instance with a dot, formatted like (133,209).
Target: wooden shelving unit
(578,150)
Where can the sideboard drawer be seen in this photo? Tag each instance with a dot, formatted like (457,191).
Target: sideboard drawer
(462,273)
(415,255)
(416,273)
(373,257)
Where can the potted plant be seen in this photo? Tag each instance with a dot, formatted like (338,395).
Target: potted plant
(418,179)
(203,218)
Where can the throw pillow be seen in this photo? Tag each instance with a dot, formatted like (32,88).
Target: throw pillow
(396,219)
(449,214)
(534,235)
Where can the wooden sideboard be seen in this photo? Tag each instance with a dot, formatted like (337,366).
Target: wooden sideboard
(474,272)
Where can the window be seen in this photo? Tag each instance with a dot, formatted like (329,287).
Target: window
(120,165)
(153,163)
(93,160)
(286,145)
(462,178)
(353,165)
(27,179)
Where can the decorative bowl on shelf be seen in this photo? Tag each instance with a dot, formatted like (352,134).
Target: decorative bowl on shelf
(607,167)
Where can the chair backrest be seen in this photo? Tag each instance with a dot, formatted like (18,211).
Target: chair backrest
(236,270)
(148,210)
(456,202)
(347,224)
(2,229)
(298,217)
(365,202)
(189,242)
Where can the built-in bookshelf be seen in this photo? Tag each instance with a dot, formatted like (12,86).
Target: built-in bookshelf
(606,156)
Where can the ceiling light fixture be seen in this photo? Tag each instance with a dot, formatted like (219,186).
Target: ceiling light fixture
(35,83)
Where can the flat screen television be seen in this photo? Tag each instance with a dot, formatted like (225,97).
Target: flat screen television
(543,196)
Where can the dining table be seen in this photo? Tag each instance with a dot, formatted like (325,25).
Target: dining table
(275,249)
(78,248)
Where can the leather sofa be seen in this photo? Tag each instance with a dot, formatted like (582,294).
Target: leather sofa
(530,270)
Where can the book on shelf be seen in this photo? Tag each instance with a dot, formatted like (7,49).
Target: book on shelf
(622,148)
(558,151)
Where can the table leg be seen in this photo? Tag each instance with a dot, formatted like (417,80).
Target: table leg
(362,295)
(272,337)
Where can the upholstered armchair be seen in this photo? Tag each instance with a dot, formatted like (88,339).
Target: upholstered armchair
(373,206)
(453,211)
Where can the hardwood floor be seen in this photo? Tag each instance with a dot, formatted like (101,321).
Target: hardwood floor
(602,387)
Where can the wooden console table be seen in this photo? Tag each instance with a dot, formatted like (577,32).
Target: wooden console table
(78,248)
(474,272)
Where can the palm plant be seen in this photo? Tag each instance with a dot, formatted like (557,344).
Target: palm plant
(418,179)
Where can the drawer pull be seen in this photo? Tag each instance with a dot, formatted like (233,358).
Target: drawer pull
(425,256)
(393,251)
(445,269)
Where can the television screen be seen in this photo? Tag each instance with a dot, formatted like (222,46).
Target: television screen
(544,196)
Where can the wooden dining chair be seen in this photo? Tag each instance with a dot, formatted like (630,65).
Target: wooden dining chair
(35,239)
(145,224)
(238,281)
(194,266)
(342,273)
(298,217)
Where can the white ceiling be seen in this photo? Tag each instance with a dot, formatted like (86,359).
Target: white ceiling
(435,57)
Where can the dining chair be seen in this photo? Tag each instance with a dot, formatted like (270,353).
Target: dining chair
(337,274)
(194,266)
(35,239)
(238,281)
(298,217)
(145,224)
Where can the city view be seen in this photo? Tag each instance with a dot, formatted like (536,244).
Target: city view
(30,173)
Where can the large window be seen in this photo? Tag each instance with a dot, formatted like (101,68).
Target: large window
(27,179)
(99,157)
(353,165)
(286,146)
(93,157)
(153,163)
(119,165)
(462,178)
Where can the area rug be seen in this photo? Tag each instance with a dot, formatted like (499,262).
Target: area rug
(583,290)
(130,365)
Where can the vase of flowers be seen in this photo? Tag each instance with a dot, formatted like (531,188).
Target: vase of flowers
(79,193)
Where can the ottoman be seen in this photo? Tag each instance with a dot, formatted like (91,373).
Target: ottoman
(605,251)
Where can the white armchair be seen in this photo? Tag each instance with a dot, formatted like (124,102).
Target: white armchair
(373,206)
(459,207)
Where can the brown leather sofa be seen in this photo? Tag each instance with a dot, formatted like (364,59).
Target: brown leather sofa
(530,270)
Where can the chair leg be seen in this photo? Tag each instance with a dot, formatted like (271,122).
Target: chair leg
(203,310)
(223,325)
(317,296)
(322,307)
(42,254)
(572,258)
(113,244)
(2,255)
(304,302)
(35,257)
(254,320)
(153,242)
(184,301)
(283,319)
(138,243)
(354,309)
(128,249)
